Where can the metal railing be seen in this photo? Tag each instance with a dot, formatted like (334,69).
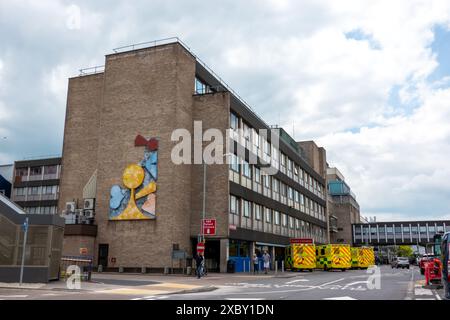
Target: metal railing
(91,70)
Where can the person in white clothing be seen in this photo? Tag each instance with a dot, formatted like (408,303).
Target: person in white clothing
(266,259)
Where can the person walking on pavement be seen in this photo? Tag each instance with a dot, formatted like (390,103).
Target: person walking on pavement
(266,259)
(255,264)
(199,260)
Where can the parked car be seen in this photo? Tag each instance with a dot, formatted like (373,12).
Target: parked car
(400,262)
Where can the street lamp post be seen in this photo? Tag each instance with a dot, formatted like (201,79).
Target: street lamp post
(25,231)
(204,201)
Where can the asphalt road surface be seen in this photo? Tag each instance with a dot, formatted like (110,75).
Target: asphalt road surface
(393,284)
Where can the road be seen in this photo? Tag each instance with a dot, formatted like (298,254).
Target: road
(394,284)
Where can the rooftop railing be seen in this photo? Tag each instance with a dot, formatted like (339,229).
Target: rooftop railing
(92,70)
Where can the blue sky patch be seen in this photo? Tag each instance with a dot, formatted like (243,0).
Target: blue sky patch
(441,47)
(359,35)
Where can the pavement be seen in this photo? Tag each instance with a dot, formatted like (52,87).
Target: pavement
(392,284)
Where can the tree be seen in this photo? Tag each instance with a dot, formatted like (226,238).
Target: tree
(404,251)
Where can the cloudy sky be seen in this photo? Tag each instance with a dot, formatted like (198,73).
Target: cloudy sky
(368,80)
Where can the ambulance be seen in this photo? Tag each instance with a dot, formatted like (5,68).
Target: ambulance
(333,257)
(362,257)
(300,255)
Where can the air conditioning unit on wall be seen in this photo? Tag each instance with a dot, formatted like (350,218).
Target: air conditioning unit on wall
(89,214)
(88,204)
(70,207)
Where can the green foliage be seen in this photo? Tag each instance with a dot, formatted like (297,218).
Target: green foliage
(405,251)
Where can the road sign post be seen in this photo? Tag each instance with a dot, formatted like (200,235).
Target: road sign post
(200,248)
(25,234)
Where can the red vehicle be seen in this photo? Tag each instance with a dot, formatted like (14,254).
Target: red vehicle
(423,260)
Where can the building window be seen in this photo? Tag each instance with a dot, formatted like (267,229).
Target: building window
(257,175)
(291,223)
(283,188)
(257,212)
(275,185)
(234,207)
(246,208)
(50,169)
(234,163)
(246,133)
(277,217)
(266,179)
(20,191)
(246,171)
(284,219)
(234,121)
(268,215)
(49,189)
(21,172)
(35,171)
(201,87)
(33,190)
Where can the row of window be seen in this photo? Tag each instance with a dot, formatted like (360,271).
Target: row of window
(41,210)
(249,137)
(36,171)
(406,229)
(397,232)
(250,176)
(36,190)
(249,215)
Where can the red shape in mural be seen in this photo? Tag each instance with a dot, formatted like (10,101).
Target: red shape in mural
(152,144)
(140,141)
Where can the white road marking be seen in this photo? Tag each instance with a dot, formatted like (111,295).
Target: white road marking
(244,299)
(15,296)
(328,283)
(424,299)
(438,297)
(340,298)
(294,281)
(422,292)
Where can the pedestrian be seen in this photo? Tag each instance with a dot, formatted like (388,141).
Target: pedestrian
(266,259)
(255,264)
(199,260)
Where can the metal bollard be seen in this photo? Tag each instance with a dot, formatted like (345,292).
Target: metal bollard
(143,270)
(120,269)
(282,266)
(276,266)
(100,268)
(166,270)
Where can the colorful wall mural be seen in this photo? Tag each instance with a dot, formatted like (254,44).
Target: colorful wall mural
(137,199)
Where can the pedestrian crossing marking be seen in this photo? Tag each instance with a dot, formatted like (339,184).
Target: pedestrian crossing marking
(152,289)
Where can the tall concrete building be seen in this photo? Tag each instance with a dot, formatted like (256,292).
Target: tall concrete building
(118,158)
(35,185)
(343,208)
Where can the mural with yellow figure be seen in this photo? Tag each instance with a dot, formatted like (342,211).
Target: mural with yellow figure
(137,201)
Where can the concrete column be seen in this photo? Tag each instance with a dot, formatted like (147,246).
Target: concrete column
(272,255)
(224,254)
(252,252)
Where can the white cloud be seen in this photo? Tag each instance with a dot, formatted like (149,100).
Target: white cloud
(291,60)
